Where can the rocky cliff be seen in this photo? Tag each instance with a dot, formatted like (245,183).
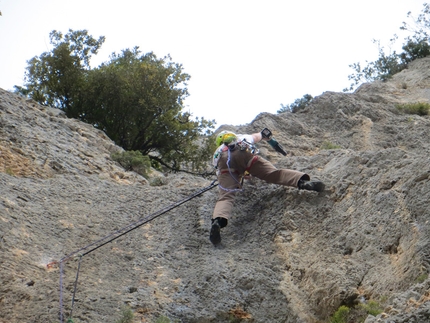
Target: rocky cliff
(286,255)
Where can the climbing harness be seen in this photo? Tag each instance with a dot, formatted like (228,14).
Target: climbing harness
(242,145)
(109,238)
(231,174)
(230,143)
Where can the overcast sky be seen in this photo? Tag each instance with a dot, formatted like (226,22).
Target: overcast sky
(244,56)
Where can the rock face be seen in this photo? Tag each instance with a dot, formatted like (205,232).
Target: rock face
(286,255)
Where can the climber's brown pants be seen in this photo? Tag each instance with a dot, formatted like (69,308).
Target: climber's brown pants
(239,162)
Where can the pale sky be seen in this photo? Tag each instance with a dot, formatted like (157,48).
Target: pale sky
(244,56)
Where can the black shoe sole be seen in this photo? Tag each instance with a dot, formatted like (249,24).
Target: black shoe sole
(319,186)
(215,236)
(314,186)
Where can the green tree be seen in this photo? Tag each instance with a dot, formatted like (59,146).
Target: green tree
(57,78)
(136,99)
(297,105)
(381,69)
(415,46)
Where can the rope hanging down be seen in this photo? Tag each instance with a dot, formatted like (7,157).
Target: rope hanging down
(113,236)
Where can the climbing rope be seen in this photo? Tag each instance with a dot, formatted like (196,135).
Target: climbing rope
(111,237)
(75,286)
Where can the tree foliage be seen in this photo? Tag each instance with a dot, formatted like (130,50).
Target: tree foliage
(381,69)
(297,105)
(136,99)
(415,46)
(57,78)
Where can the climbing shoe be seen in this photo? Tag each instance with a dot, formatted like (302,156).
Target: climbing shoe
(317,186)
(215,236)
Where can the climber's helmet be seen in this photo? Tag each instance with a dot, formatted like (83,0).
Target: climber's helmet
(225,137)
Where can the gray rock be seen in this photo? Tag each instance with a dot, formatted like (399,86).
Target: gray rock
(286,255)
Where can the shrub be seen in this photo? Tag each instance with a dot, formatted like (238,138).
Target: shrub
(9,171)
(419,108)
(297,105)
(163,319)
(341,315)
(422,278)
(357,313)
(382,69)
(133,161)
(329,145)
(415,46)
(126,316)
(372,307)
(158,181)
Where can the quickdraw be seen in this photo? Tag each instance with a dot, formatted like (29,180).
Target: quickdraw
(244,146)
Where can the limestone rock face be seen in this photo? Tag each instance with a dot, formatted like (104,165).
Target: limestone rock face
(286,255)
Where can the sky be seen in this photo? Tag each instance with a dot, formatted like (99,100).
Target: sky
(244,56)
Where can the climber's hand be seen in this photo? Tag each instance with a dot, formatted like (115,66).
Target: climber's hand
(266,133)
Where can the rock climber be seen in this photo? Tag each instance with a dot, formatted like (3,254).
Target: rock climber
(236,156)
